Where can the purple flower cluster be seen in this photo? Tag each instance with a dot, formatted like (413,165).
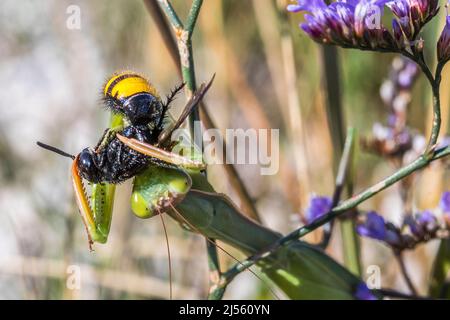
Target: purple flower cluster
(362,292)
(375,227)
(318,206)
(443,45)
(357,23)
(445,202)
(395,139)
(422,227)
(411,15)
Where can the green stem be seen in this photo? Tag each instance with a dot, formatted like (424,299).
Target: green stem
(171,14)
(193,14)
(350,240)
(350,243)
(187,64)
(441,267)
(435,82)
(436,110)
(336,124)
(405,273)
(342,174)
(214,271)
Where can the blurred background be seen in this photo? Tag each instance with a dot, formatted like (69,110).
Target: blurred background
(268,75)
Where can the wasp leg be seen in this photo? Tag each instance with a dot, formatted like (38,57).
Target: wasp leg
(92,228)
(191,104)
(171,96)
(107,136)
(160,154)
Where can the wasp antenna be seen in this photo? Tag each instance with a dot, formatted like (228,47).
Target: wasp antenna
(55,150)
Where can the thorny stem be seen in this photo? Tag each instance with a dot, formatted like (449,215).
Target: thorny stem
(405,273)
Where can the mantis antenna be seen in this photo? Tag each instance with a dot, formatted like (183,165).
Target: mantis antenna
(168,253)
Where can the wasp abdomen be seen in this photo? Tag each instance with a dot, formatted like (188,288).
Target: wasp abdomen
(131,94)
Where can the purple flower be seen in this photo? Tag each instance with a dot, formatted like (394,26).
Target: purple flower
(426,217)
(345,23)
(362,292)
(407,76)
(411,16)
(445,202)
(308,5)
(423,223)
(401,26)
(376,228)
(443,45)
(318,206)
(357,23)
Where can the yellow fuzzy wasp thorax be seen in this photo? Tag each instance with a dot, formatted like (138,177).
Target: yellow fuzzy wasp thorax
(127,83)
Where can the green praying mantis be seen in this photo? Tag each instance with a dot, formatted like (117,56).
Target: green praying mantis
(175,184)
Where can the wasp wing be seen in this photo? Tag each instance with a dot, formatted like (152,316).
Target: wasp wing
(163,155)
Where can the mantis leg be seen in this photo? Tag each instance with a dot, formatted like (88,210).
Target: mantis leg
(97,221)
(163,155)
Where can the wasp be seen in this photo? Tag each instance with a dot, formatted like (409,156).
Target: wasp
(136,143)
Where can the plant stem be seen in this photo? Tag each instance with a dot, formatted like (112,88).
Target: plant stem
(350,243)
(396,294)
(193,15)
(441,267)
(342,173)
(435,82)
(336,124)
(350,240)
(436,109)
(214,271)
(405,273)
(171,14)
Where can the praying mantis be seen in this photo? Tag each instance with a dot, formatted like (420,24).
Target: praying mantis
(137,146)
